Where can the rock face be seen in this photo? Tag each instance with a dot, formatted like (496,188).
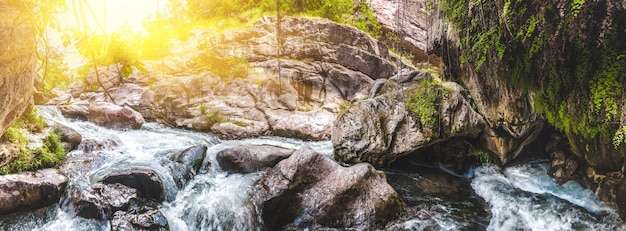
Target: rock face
(319,193)
(322,65)
(31,190)
(509,114)
(380,129)
(17,65)
(251,158)
(410,21)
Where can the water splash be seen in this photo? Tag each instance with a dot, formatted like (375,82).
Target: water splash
(526,198)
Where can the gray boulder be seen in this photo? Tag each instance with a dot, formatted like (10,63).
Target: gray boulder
(319,193)
(251,158)
(139,218)
(381,129)
(31,190)
(148,183)
(114,116)
(100,201)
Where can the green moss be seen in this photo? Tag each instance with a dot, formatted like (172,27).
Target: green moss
(50,154)
(573,65)
(13,134)
(423,101)
(240,124)
(213,116)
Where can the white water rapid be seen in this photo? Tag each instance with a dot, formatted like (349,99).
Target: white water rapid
(517,198)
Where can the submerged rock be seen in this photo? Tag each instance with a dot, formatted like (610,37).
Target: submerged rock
(186,164)
(100,201)
(309,190)
(251,158)
(148,183)
(31,190)
(139,218)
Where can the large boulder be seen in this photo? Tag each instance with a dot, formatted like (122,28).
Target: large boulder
(114,116)
(100,201)
(310,190)
(251,158)
(148,183)
(31,190)
(381,129)
(17,65)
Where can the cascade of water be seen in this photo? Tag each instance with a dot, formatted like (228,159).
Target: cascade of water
(521,197)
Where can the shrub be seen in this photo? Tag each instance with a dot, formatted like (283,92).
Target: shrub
(423,101)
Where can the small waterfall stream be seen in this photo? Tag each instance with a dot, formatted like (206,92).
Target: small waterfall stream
(517,198)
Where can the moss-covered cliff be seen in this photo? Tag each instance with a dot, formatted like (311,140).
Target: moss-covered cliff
(569,57)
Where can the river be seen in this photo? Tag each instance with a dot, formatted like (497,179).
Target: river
(515,198)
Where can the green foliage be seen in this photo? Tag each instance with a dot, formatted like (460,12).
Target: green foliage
(211,115)
(424,99)
(573,65)
(50,154)
(231,13)
(54,72)
(227,67)
(103,50)
(13,134)
(577,5)
(32,120)
(620,137)
(240,124)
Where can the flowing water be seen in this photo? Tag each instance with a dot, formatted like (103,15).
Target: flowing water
(516,198)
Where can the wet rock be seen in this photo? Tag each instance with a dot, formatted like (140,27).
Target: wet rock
(140,218)
(564,164)
(191,158)
(31,190)
(100,201)
(310,190)
(113,116)
(251,158)
(69,136)
(148,183)
(77,111)
(312,125)
(92,145)
(599,152)
(186,164)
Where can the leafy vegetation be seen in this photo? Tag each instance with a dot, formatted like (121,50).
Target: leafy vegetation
(211,115)
(50,154)
(221,14)
(424,99)
(572,64)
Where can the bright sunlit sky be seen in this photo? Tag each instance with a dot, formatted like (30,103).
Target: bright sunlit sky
(114,13)
(110,14)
